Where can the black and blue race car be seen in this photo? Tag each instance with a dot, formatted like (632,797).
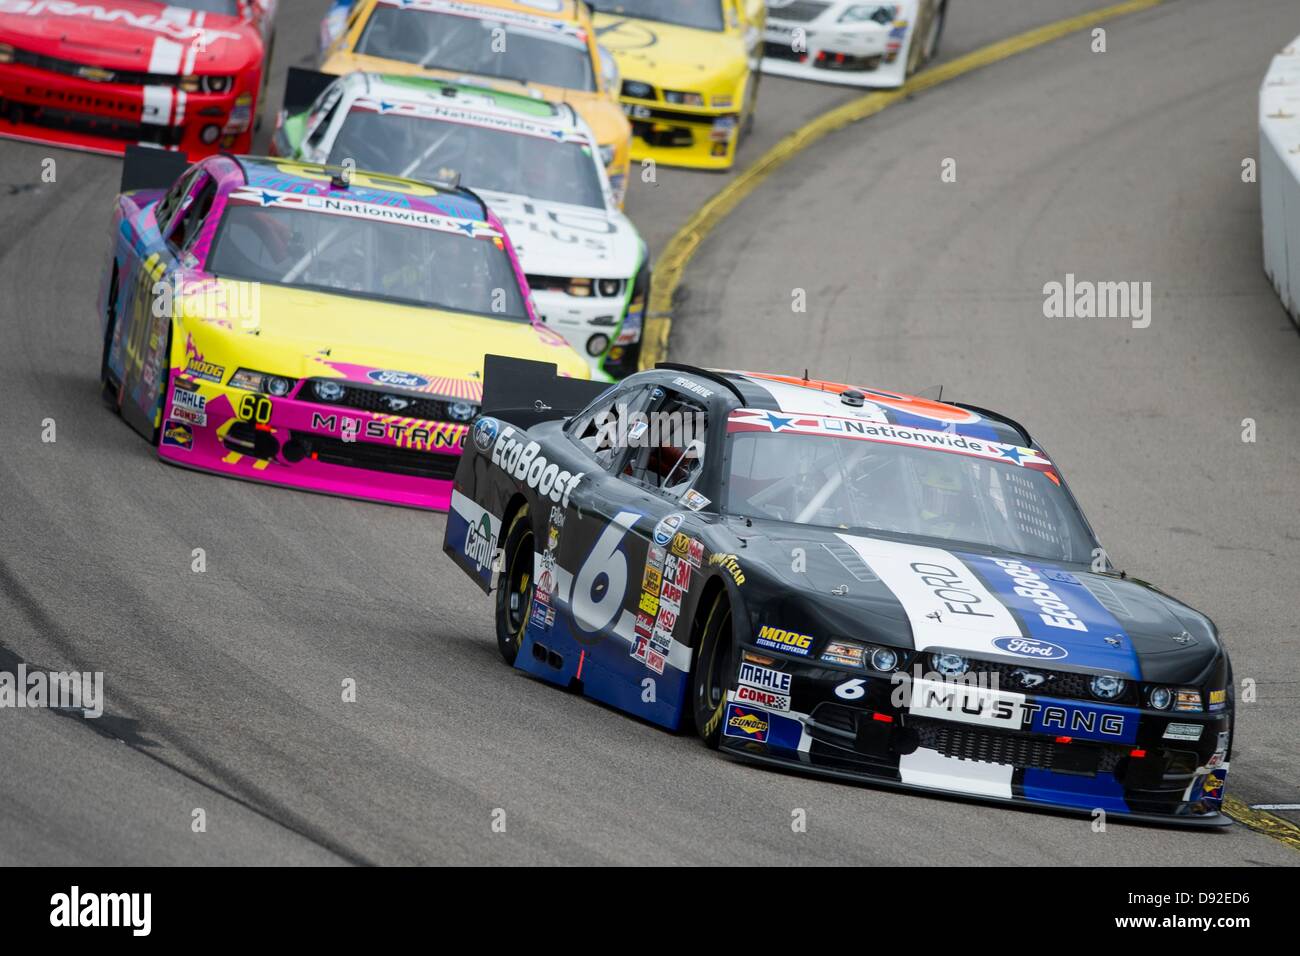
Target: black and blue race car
(850,581)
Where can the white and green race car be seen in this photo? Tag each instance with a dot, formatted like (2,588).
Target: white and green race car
(537,166)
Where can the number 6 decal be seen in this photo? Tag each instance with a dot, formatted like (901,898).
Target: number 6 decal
(851,689)
(601,584)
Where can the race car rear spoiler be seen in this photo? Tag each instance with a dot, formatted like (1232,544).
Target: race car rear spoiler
(524,392)
(145,167)
(303,87)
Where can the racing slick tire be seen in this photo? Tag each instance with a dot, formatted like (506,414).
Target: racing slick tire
(110,390)
(935,36)
(515,589)
(711,671)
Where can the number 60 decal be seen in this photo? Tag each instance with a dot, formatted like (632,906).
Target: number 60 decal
(600,585)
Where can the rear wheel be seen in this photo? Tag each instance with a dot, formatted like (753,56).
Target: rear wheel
(515,589)
(711,676)
(109,387)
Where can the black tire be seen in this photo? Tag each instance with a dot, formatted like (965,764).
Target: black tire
(711,673)
(747,130)
(935,40)
(109,387)
(164,383)
(515,589)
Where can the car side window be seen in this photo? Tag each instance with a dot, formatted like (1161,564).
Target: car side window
(670,455)
(329,106)
(191,218)
(171,200)
(608,427)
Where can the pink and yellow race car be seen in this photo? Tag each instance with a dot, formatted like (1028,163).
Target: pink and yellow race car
(309,326)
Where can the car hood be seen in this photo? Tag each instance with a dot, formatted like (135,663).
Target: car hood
(560,239)
(300,334)
(134,35)
(913,594)
(673,57)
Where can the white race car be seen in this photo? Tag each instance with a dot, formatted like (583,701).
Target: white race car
(851,42)
(537,166)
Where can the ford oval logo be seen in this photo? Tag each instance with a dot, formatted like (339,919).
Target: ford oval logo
(1029,647)
(397,379)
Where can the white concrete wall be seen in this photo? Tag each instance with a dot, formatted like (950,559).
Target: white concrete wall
(1279,174)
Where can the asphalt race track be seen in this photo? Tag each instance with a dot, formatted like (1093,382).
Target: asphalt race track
(224,687)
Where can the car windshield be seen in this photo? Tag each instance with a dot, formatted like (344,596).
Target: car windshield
(701,14)
(985,499)
(416,147)
(367,258)
(483,47)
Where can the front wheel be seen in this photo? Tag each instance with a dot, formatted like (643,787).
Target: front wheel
(712,674)
(515,589)
(935,35)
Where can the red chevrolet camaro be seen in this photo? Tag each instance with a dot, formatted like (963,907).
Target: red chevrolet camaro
(185,75)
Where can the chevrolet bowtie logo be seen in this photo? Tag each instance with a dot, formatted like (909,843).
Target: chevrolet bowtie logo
(95,74)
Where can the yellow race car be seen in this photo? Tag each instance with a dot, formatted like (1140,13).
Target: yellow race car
(547,45)
(689,71)
(308,325)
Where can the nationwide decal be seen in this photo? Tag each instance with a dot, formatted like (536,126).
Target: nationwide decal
(523,462)
(750,420)
(779,639)
(513,18)
(461,116)
(372,212)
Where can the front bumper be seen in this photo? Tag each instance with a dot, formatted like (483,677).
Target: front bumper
(46,106)
(879,737)
(698,139)
(308,445)
(607,326)
(866,55)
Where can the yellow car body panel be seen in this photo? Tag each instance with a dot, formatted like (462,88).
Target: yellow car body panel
(714,75)
(599,107)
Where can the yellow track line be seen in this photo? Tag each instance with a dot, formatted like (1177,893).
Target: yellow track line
(672,263)
(1284,831)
